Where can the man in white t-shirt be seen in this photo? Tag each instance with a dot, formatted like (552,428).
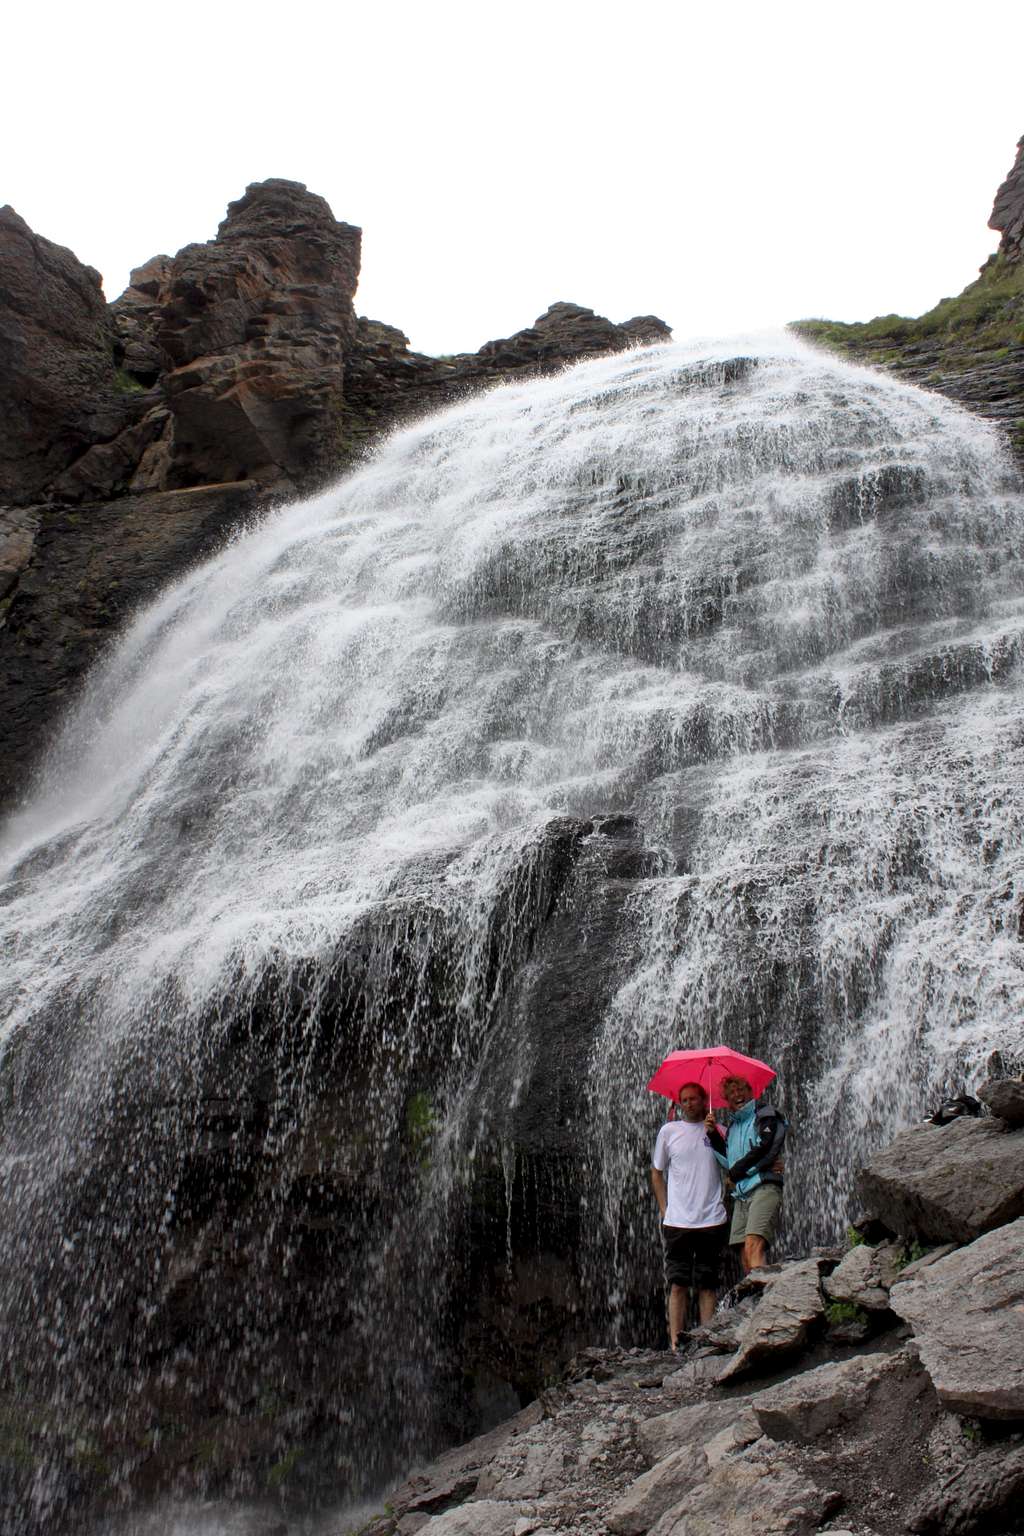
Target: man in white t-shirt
(687,1185)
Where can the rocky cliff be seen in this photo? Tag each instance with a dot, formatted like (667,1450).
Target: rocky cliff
(970,347)
(134,436)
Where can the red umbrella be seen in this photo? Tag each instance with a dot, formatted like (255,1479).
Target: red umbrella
(708,1067)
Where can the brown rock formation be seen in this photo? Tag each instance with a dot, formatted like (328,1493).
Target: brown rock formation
(1008,211)
(568,331)
(58,389)
(249,333)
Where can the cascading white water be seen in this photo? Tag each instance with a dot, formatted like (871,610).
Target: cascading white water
(767,606)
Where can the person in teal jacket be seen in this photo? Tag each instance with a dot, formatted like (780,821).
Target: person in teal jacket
(751,1154)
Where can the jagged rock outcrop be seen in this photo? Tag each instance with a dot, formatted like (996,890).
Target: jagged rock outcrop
(255,325)
(566,332)
(1008,211)
(864,1276)
(58,384)
(237,359)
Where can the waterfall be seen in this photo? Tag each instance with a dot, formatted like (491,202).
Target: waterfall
(671,700)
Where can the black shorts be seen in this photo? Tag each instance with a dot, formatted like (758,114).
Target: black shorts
(692,1255)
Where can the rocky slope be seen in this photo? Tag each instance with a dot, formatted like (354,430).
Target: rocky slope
(875,1392)
(237,372)
(970,347)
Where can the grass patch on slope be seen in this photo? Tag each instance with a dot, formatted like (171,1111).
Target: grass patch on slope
(985,322)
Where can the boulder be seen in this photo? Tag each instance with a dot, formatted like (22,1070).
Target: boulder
(662,1488)
(947,1183)
(691,1425)
(864,1276)
(747,1493)
(981,1496)
(1005,1098)
(782,1322)
(736,1436)
(58,385)
(833,1395)
(967,1313)
(482,1517)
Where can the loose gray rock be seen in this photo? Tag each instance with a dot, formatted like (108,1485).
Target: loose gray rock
(975,1497)
(454,1477)
(864,1277)
(749,1494)
(658,1490)
(674,1443)
(691,1425)
(967,1313)
(1005,1098)
(736,1436)
(947,1183)
(833,1395)
(483,1517)
(781,1323)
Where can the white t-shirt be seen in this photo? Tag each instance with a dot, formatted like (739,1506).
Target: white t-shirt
(694,1177)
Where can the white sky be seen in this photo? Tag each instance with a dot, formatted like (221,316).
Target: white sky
(726,166)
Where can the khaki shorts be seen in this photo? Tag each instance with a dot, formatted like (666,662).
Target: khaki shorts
(758,1215)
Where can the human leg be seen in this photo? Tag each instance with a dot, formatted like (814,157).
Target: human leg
(678,1298)
(762,1218)
(755,1252)
(708,1244)
(679,1272)
(738,1229)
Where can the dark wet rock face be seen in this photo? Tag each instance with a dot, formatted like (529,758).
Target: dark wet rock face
(75,575)
(58,389)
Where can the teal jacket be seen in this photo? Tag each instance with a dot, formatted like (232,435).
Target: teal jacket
(748,1139)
